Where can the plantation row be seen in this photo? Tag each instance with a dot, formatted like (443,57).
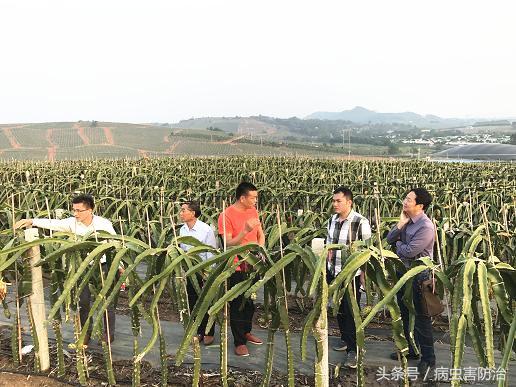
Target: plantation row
(474,210)
(130,193)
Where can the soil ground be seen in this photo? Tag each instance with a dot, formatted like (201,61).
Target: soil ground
(243,371)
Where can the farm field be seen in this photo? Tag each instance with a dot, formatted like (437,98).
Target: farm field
(105,140)
(474,210)
(79,140)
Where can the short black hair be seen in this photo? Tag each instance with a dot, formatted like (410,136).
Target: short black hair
(194,206)
(86,199)
(345,191)
(244,188)
(422,197)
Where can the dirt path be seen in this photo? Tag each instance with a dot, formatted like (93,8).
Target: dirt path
(10,136)
(109,136)
(231,140)
(19,380)
(51,155)
(165,138)
(82,135)
(172,147)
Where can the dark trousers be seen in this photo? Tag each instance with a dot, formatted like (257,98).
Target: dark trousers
(192,300)
(241,311)
(348,332)
(423,335)
(84,308)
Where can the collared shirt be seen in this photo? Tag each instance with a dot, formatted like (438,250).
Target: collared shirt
(202,232)
(415,240)
(74,226)
(343,237)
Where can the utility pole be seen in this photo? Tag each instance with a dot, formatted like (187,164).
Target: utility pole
(349,144)
(349,140)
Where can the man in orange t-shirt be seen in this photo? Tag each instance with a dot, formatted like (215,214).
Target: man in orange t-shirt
(239,224)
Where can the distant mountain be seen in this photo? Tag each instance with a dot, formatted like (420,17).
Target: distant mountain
(365,116)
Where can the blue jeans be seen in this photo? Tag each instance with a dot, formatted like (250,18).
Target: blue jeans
(423,334)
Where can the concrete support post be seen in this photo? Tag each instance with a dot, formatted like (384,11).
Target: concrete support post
(37,300)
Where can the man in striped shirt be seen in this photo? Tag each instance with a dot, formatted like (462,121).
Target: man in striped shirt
(344,227)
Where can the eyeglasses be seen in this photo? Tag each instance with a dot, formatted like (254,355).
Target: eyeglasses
(78,211)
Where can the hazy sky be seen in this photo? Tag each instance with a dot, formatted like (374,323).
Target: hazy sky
(147,61)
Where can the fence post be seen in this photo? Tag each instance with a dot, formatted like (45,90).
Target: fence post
(322,367)
(37,300)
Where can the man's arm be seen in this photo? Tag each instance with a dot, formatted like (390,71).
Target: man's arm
(366,235)
(417,244)
(235,241)
(328,237)
(261,236)
(210,239)
(49,224)
(394,234)
(366,229)
(238,238)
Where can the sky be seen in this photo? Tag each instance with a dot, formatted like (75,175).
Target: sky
(164,61)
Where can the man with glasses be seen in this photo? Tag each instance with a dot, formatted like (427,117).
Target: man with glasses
(238,225)
(82,222)
(201,231)
(413,237)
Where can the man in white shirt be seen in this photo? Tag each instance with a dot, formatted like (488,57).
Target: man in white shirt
(201,231)
(82,223)
(344,227)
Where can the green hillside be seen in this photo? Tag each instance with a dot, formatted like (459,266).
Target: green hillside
(90,140)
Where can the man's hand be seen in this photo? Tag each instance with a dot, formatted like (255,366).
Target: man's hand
(23,223)
(403,220)
(251,224)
